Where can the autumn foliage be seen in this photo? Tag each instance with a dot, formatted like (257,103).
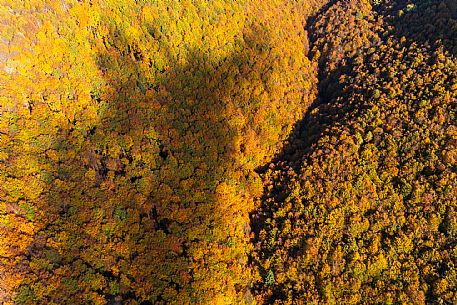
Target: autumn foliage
(228,152)
(362,211)
(129,137)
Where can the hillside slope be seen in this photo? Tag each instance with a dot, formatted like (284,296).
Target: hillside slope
(362,208)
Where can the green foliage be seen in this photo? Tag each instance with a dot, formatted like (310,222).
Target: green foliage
(24,295)
(29,211)
(270,278)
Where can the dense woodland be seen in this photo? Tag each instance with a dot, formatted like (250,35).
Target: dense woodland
(228,152)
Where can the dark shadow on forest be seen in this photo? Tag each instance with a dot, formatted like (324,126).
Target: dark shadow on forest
(324,113)
(134,198)
(430,23)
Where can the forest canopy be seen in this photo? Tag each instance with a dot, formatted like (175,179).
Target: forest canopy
(228,152)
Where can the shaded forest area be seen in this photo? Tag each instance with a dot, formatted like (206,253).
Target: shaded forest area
(228,152)
(130,134)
